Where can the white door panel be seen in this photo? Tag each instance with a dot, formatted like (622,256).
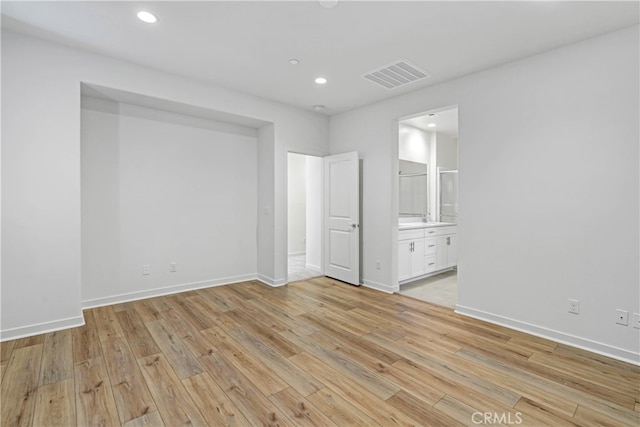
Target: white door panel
(341,217)
(339,200)
(339,250)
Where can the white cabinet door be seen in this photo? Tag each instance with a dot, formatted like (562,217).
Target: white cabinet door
(404,260)
(410,258)
(452,250)
(446,251)
(420,253)
(442,250)
(417,258)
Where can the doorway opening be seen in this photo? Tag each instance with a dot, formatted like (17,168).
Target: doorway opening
(304,216)
(428,206)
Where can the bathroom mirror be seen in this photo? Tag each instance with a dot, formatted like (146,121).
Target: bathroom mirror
(414,185)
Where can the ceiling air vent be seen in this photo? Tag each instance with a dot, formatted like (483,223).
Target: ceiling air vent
(398,73)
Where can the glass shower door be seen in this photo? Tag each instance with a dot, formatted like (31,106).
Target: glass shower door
(448,196)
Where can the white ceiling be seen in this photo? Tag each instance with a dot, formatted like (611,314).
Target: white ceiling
(246,46)
(445,121)
(120,96)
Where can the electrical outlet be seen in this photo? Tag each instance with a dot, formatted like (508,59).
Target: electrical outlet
(146,270)
(378,266)
(574,306)
(636,320)
(622,317)
(173,267)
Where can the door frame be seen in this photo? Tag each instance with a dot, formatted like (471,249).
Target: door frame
(322,220)
(354,221)
(395,183)
(286,198)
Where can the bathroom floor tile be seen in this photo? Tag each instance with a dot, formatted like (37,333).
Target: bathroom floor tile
(441,289)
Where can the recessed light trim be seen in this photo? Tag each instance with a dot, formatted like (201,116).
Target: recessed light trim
(319,107)
(431,125)
(328,4)
(147,17)
(320,80)
(294,61)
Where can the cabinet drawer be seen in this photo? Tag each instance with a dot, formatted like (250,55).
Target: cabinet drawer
(430,232)
(429,263)
(429,246)
(446,230)
(411,234)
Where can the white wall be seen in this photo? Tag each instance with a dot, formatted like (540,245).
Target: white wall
(314,212)
(266,233)
(156,191)
(446,152)
(415,144)
(41,170)
(297,203)
(548,189)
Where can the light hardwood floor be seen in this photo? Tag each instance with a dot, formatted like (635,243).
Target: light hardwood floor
(315,352)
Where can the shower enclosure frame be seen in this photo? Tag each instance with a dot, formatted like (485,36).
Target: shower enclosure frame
(439,173)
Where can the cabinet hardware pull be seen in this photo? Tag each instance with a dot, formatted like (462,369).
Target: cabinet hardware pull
(431,263)
(431,246)
(448,240)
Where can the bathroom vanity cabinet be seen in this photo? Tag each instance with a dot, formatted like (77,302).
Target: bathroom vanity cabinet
(412,253)
(425,249)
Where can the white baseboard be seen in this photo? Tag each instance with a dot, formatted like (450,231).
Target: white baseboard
(271,282)
(296,253)
(550,334)
(379,286)
(41,328)
(57,325)
(174,289)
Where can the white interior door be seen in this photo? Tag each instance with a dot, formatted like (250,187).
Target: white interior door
(341,218)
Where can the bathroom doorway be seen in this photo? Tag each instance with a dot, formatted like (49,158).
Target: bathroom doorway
(304,216)
(428,206)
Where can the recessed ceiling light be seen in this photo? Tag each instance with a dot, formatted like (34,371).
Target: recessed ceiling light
(294,61)
(318,107)
(431,125)
(147,17)
(432,114)
(321,80)
(328,4)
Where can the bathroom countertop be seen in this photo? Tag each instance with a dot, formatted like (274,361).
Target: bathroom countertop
(415,225)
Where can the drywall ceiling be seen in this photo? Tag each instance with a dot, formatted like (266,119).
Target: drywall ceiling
(120,96)
(445,121)
(246,46)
